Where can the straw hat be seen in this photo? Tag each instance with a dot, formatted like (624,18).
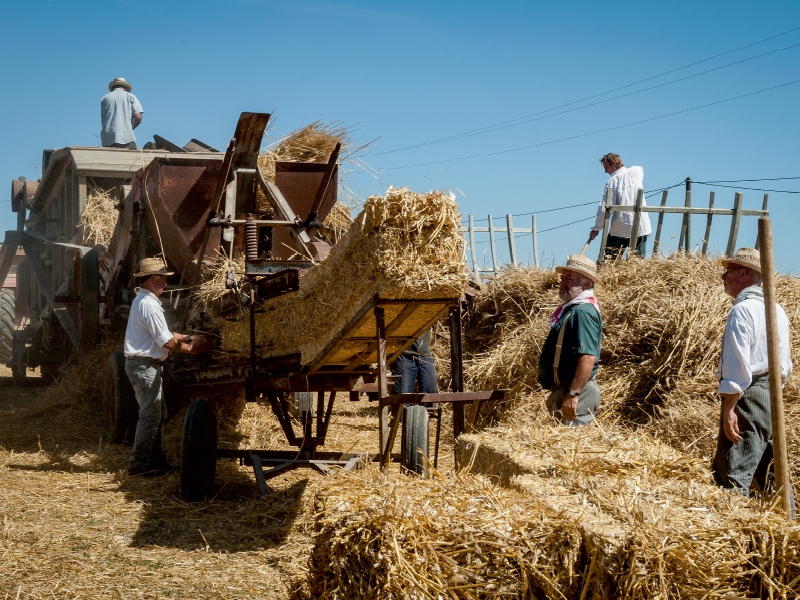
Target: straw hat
(745,257)
(581,264)
(119,81)
(152,266)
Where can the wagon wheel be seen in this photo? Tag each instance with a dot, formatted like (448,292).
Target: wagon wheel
(415,440)
(84,304)
(199,456)
(120,409)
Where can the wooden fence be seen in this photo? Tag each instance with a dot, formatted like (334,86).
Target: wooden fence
(684,240)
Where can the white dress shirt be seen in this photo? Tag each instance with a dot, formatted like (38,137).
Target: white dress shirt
(744,345)
(147,330)
(625,183)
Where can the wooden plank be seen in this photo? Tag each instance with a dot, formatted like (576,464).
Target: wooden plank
(491,245)
(633,241)
(606,226)
(331,347)
(734,233)
(383,387)
(774,361)
(694,210)
(512,249)
(708,224)
(535,245)
(660,223)
(764,208)
(471,231)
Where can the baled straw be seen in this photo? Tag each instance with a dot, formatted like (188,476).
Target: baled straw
(403,245)
(99,218)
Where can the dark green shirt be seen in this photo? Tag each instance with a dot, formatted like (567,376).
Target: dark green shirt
(582,336)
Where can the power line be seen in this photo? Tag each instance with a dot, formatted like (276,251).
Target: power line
(573,137)
(764,179)
(508,123)
(531,120)
(738,187)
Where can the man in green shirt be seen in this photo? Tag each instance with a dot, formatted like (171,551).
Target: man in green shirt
(571,351)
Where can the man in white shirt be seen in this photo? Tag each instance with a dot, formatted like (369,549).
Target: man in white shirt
(148,342)
(120,114)
(625,184)
(744,446)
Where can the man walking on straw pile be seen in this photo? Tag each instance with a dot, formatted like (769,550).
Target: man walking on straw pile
(744,446)
(571,351)
(148,342)
(625,184)
(120,114)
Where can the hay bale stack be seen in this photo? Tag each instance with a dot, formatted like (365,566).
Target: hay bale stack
(403,245)
(662,324)
(651,519)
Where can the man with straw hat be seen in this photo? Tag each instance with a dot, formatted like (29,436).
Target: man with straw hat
(120,114)
(624,184)
(571,351)
(148,342)
(744,446)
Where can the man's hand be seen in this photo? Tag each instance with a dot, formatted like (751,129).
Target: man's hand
(730,420)
(188,344)
(593,234)
(569,408)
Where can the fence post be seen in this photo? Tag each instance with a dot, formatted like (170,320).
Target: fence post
(660,222)
(511,247)
(491,246)
(535,245)
(764,208)
(737,209)
(684,242)
(708,223)
(472,250)
(606,226)
(633,243)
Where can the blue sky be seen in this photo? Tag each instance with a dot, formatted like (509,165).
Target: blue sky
(405,73)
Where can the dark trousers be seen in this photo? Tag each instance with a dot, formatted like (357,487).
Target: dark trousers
(128,146)
(738,466)
(148,444)
(414,369)
(616,245)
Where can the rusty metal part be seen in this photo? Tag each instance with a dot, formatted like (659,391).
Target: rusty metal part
(250,238)
(311,220)
(277,284)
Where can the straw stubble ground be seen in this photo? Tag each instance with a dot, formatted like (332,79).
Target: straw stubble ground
(73,524)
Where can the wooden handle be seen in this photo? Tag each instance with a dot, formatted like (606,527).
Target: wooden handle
(586,245)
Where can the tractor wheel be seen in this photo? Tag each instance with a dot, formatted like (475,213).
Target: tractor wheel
(120,409)
(415,440)
(199,457)
(49,372)
(7,324)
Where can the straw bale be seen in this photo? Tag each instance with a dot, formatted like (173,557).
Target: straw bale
(403,245)
(655,521)
(99,218)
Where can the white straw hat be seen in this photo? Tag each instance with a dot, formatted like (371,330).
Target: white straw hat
(152,266)
(744,257)
(119,81)
(581,264)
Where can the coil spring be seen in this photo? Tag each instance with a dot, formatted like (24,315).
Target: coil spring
(250,238)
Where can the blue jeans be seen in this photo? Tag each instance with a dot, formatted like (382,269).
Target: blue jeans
(148,444)
(412,369)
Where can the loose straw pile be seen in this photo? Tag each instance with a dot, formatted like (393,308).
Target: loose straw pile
(403,245)
(99,218)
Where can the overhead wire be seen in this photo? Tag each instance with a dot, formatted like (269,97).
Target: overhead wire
(508,123)
(573,137)
(647,89)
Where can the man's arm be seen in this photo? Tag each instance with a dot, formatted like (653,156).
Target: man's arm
(186,344)
(137,119)
(583,372)
(730,420)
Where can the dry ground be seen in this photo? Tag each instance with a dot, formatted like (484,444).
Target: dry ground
(73,524)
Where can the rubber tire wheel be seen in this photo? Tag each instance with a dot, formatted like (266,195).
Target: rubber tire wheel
(120,409)
(7,324)
(50,372)
(199,454)
(19,375)
(415,440)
